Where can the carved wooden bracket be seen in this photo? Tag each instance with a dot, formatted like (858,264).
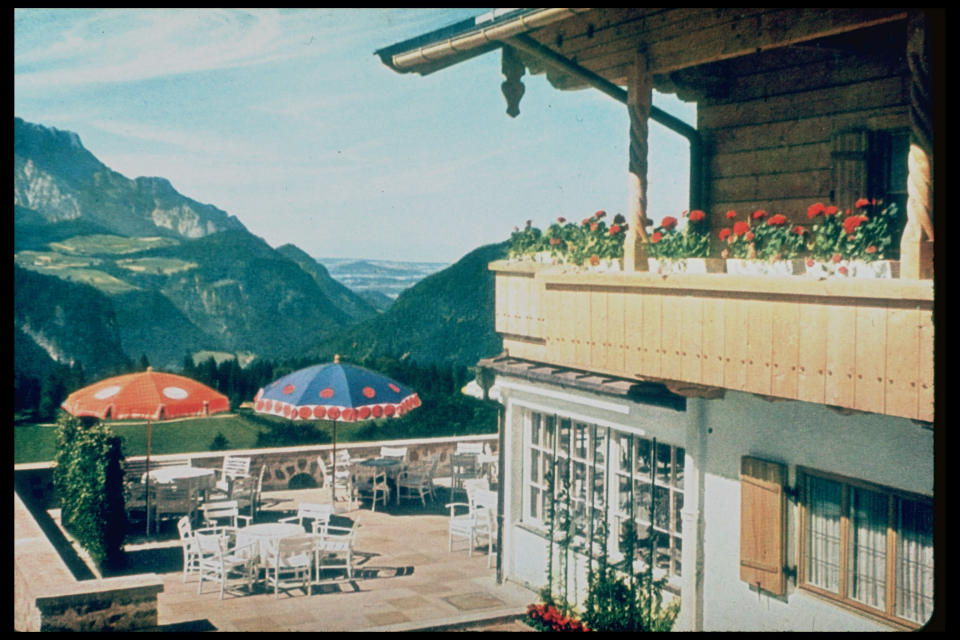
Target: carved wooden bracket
(512,68)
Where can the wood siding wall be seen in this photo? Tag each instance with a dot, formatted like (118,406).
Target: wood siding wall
(863,345)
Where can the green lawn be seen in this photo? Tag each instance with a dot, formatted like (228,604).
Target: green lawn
(37,443)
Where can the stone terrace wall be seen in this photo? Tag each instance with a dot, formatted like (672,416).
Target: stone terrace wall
(46,596)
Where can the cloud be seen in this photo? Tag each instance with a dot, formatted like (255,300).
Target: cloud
(131,45)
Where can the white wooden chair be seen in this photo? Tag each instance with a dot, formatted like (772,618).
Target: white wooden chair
(417,482)
(343,483)
(334,550)
(191,553)
(223,564)
(318,516)
(371,483)
(247,490)
(214,512)
(233,467)
(171,500)
(290,562)
(475,521)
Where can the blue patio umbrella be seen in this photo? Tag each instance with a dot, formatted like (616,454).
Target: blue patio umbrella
(337,392)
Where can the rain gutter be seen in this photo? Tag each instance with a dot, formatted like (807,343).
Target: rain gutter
(528,45)
(490,29)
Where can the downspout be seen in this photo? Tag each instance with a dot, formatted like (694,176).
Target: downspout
(525,43)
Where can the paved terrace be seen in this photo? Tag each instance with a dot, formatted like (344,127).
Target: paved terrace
(406,579)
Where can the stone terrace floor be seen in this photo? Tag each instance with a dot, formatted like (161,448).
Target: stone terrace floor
(405,579)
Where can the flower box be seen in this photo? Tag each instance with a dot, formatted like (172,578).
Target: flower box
(741,266)
(665,266)
(884,269)
(604,265)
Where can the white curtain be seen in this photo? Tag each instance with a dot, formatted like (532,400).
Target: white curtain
(867,564)
(914,596)
(823,534)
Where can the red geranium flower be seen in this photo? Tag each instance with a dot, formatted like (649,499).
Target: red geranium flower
(777,220)
(871,249)
(861,203)
(749,236)
(842,270)
(852,222)
(799,230)
(669,222)
(656,237)
(561,219)
(759,214)
(615,229)
(594,260)
(814,210)
(554,241)
(585,221)
(731,214)
(599,214)
(831,211)
(593,226)
(724,234)
(696,215)
(836,257)
(740,228)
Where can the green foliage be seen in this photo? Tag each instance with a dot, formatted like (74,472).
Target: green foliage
(219,442)
(669,242)
(526,241)
(89,483)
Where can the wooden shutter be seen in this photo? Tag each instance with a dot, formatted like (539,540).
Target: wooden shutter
(762,524)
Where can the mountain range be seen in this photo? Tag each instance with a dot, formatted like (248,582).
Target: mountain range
(108,269)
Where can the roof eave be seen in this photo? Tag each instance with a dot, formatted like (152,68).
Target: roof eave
(465,40)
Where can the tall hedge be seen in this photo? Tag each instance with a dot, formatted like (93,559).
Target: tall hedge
(89,483)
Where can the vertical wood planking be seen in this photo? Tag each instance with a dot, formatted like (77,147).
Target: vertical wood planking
(734,344)
(870,358)
(841,355)
(713,355)
(652,341)
(759,345)
(812,357)
(902,362)
(671,364)
(634,361)
(926,372)
(615,355)
(598,328)
(578,305)
(691,339)
(786,346)
(500,303)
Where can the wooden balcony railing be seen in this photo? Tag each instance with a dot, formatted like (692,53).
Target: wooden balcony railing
(858,344)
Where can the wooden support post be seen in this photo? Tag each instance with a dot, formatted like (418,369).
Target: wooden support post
(639,98)
(916,244)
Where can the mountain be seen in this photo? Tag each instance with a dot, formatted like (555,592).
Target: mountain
(346,299)
(446,318)
(164,274)
(55,176)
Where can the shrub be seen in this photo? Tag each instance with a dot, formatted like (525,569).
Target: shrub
(89,482)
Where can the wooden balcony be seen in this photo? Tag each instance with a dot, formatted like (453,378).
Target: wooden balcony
(856,344)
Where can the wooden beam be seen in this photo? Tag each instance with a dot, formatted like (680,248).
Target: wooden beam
(639,101)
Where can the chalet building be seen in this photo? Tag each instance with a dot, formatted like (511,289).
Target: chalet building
(778,430)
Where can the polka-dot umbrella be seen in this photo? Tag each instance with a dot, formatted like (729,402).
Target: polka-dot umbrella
(337,392)
(150,395)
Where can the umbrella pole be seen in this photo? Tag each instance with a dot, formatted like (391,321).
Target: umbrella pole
(148,477)
(333,486)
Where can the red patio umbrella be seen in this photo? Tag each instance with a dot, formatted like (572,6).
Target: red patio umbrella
(149,394)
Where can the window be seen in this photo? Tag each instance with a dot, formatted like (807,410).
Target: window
(867,546)
(602,466)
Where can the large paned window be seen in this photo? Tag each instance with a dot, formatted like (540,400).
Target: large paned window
(608,474)
(868,546)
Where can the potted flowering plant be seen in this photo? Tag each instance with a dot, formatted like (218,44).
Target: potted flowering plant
(525,243)
(674,250)
(546,617)
(853,243)
(763,244)
(593,244)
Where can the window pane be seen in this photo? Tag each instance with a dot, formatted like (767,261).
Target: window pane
(535,428)
(581,433)
(600,446)
(867,550)
(677,507)
(641,494)
(624,442)
(663,464)
(563,447)
(534,465)
(549,426)
(662,508)
(822,548)
(678,475)
(914,593)
(534,503)
(643,457)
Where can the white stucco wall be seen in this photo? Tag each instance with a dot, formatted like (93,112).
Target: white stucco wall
(891,452)
(887,451)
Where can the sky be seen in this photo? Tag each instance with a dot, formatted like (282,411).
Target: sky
(287,120)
